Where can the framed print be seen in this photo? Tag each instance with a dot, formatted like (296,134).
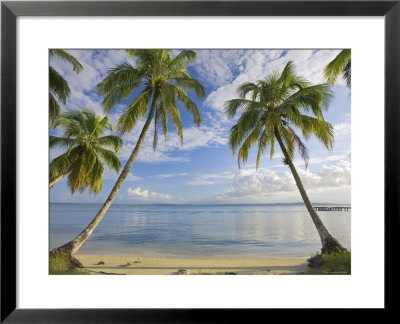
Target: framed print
(185,198)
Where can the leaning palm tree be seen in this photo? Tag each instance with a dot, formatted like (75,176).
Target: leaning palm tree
(58,86)
(87,149)
(162,82)
(271,108)
(341,64)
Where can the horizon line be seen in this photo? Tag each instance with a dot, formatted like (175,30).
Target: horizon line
(200,204)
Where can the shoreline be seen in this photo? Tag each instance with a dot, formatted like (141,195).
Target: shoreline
(138,265)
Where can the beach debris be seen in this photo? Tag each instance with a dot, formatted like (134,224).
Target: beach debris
(183,272)
(111,273)
(128,264)
(100,263)
(137,261)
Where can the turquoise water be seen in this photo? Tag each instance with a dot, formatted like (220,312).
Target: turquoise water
(197,231)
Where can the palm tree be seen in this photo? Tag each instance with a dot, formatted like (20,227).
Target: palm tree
(86,151)
(341,64)
(58,86)
(271,108)
(163,82)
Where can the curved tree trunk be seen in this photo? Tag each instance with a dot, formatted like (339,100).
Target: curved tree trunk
(72,247)
(56,179)
(329,243)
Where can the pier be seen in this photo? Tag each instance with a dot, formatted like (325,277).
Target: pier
(336,208)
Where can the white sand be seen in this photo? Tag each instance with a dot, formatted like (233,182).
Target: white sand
(133,265)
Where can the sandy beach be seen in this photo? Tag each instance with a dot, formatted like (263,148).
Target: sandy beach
(134,265)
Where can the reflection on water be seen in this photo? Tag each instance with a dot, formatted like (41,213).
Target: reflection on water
(197,230)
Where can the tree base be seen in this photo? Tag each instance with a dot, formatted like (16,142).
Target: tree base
(72,262)
(331,245)
(75,263)
(315,262)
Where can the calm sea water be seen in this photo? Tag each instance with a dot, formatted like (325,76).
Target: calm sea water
(197,231)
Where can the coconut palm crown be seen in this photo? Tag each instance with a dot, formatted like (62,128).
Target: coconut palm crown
(162,79)
(59,89)
(275,110)
(87,149)
(152,88)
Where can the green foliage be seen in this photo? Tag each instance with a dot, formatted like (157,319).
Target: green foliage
(216,273)
(58,86)
(60,264)
(273,107)
(66,57)
(341,64)
(161,79)
(333,263)
(86,150)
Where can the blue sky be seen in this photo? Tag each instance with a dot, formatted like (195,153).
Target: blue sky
(203,169)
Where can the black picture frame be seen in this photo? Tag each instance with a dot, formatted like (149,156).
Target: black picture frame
(9,13)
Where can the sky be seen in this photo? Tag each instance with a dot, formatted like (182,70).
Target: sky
(203,169)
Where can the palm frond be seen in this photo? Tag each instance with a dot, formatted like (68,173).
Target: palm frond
(347,74)
(137,108)
(96,177)
(337,66)
(245,88)
(190,84)
(110,158)
(63,142)
(66,57)
(183,57)
(115,142)
(232,106)
(301,147)
(119,84)
(250,140)
(163,118)
(54,111)
(62,163)
(314,98)
(155,137)
(171,94)
(58,86)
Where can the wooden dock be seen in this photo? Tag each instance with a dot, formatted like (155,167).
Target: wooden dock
(335,208)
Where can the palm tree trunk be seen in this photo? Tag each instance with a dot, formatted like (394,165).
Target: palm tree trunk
(56,179)
(73,246)
(329,243)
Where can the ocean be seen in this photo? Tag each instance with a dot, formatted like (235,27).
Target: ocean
(198,230)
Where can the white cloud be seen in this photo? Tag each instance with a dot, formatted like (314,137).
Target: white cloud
(208,179)
(193,138)
(261,184)
(148,155)
(169,175)
(342,129)
(257,64)
(321,160)
(140,193)
(111,175)
(217,67)
(132,177)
